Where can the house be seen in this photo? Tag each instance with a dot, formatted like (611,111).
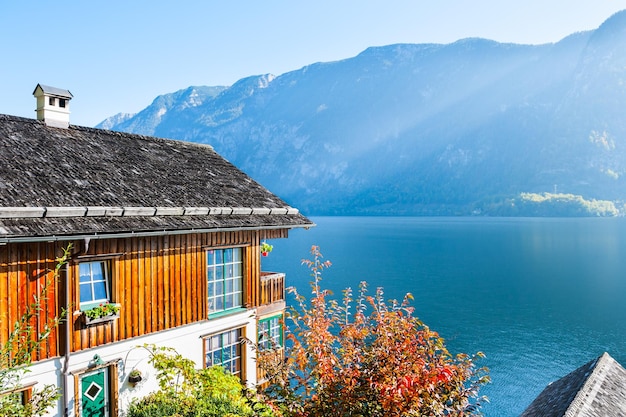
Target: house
(596,389)
(167,231)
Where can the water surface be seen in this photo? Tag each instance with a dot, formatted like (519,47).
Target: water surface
(540,297)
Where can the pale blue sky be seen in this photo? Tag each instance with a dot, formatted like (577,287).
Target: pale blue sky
(117,56)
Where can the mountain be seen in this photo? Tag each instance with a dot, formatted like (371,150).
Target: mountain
(115,120)
(474,126)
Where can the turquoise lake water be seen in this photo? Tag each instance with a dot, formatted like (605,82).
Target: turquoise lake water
(540,297)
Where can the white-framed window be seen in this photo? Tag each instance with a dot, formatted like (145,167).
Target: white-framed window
(224,349)
(225,279)
(270,333)
(62,102)
(95,283)
(51,101)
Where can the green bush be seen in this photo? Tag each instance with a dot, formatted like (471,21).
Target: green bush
(158,405)
(189,392)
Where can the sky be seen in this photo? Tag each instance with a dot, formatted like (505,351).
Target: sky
(119,55)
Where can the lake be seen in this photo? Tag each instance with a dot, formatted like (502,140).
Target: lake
(539,296)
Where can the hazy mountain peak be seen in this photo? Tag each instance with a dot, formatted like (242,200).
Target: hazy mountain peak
(399,49)
(455,128)
(115,120)
(253,82)
(614,24)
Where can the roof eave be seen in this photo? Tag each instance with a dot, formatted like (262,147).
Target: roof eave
(148,233)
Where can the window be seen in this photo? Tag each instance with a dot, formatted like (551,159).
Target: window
(270,333)
(95,283)
(62,102)
(51,101)
(225,279)
(20,395)
(224,349)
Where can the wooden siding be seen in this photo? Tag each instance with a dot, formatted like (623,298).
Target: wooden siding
(26,272)
(159,281)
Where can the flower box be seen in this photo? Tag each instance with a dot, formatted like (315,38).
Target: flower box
(102,314)
(90,322)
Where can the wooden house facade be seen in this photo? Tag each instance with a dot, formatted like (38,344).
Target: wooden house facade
(162,239)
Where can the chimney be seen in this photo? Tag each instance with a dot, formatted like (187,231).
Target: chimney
(53,105)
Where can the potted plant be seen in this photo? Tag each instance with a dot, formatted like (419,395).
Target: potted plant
(134,376)
(101,313)
(266,248)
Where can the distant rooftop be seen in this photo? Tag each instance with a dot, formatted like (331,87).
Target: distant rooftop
(596,389)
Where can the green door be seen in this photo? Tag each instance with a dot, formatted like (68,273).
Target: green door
(94,393)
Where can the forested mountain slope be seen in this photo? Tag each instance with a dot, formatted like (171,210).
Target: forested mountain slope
(425,129)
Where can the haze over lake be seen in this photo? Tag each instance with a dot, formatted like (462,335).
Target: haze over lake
(539,296)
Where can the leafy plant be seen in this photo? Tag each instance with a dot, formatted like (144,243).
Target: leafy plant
(102,310)
(189,392)
(134,376)
(16,355)
(367,357)
(266,248)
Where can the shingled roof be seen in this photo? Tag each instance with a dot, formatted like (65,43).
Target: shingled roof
(596,389)
(82,181)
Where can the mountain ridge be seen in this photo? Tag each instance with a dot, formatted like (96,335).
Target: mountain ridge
(424,129)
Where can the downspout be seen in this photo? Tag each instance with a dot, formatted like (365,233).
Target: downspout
(66,354)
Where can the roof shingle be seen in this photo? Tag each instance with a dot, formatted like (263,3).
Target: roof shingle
(65,171)
(596,389)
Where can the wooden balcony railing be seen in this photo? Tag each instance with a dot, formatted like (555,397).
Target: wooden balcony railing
(269,360)
(272,287)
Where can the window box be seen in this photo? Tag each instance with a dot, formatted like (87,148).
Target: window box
(91,322)
(110,312)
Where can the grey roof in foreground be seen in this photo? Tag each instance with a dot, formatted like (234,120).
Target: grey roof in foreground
(81,181)
(596,389)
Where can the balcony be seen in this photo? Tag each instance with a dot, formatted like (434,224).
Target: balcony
(272,359)
(272,292)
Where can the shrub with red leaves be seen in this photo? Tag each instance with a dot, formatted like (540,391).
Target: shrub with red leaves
(367,357)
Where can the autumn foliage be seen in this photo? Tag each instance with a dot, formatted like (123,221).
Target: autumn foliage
(367,357)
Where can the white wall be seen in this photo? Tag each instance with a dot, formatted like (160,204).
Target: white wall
(186,340)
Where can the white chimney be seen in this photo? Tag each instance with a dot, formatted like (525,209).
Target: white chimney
(53,105)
